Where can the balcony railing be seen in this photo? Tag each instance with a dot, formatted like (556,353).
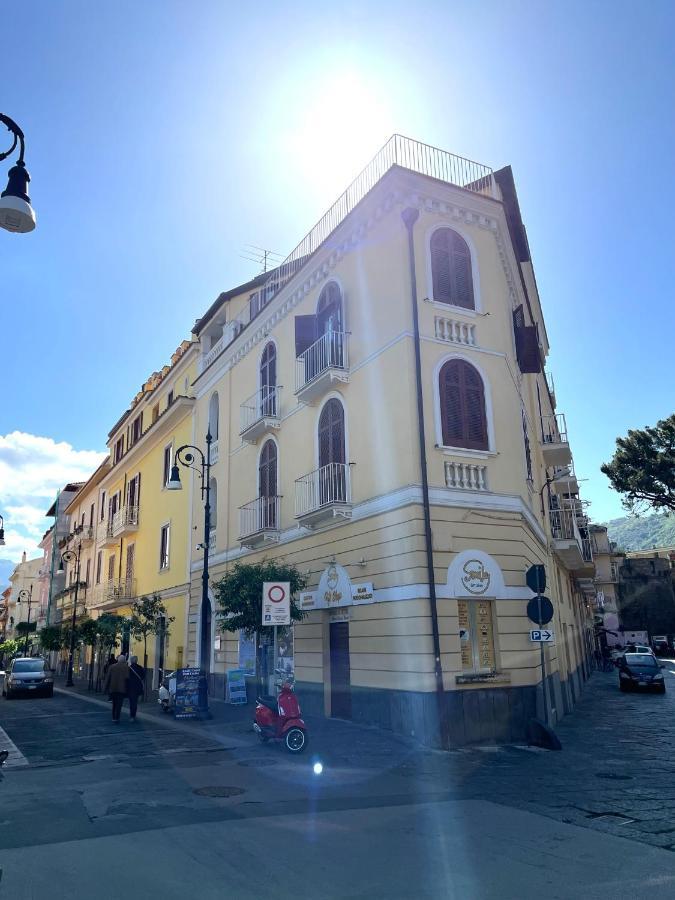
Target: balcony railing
(398,151)
(104,533)
(329,356)
(214,452)
(114,592)
(125,519)
(259,412)
(258,518)
(555,446)
(323,489)
(586,550)
(465,476)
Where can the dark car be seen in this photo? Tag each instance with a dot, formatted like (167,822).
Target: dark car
(29,675)
(661,647)
(640,670)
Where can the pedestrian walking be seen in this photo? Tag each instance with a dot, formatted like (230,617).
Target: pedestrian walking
(117,684)
(136,686)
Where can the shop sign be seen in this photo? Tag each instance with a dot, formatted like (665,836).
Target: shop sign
(339,615)
(335,588)
(474,573)
(362,593)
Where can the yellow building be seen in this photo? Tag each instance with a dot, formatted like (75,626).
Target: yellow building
(415,550)
(134,534)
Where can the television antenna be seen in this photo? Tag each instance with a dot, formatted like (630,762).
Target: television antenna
(266,259)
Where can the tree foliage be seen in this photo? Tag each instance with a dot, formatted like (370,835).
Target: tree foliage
(643,467)
(51,638)
(9,648)
(109,629)
(239,594)
(88,631)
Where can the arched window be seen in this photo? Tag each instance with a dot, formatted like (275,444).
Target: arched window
(268,381)
(329,310)
(452,281)
(332,457)
(462,397)
(267,485)
(213,415)
(213,502)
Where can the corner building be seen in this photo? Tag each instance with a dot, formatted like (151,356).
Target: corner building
(307,380)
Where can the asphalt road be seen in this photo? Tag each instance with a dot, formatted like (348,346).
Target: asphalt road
(159,809)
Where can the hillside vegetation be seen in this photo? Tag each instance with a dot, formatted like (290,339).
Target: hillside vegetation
(643,533)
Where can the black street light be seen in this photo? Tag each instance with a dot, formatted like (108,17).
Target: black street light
(26,597)
(16,213)
(69,556)
(2,532)
(185,455)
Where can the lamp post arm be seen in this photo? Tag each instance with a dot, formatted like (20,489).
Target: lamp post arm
(18,138)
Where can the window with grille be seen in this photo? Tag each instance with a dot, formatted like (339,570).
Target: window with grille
(268,381)
(462,398)
(452,280)
(166,467)
(528,454)
(476,635)
(332,475)
(111,567)
(99,566)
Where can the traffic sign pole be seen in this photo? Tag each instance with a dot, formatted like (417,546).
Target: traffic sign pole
(543,661)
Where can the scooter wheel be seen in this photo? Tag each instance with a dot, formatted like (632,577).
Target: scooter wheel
(295,740)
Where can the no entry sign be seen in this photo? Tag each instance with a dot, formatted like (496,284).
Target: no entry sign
(276,603)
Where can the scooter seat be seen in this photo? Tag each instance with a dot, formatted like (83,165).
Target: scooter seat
(270,703)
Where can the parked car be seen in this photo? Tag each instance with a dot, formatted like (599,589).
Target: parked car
(660,645)
(640,670)
(28,675)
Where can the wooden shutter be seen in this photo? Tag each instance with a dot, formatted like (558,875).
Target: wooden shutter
(332,434)
(452,279)
(463,417)
(329,309)
(527,343)
(131,555)
(111,567)
(305,333)
(267,470)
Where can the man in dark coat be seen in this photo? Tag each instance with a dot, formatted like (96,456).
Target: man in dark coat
(117,683)
(136,686)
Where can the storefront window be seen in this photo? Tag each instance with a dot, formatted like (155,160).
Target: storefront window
(476,635)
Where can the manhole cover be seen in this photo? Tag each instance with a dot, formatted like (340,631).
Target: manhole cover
(218,791)
(257,763)
(613,776)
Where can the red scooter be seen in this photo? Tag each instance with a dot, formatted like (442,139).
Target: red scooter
(279,719)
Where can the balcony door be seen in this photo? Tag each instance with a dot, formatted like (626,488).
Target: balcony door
(131,558)
(330,327)
(267,486)
(268,381)
(340,675)
(332,481)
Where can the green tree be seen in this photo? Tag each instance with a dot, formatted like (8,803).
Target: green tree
(643,467)
(51,638)
(89,634)
(8,649)
(239,594)
(149,616)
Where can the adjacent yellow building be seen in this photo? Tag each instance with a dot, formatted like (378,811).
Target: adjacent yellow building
(133,534)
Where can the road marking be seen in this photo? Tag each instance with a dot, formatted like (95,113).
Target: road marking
(16,757)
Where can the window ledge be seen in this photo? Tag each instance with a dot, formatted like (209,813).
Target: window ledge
(456,310)
(465,451)
(484,678)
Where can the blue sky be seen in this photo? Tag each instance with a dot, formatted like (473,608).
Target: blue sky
(162,137)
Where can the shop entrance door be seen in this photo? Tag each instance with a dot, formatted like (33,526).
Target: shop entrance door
(340,685)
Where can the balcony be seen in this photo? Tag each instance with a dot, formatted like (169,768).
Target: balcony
(259,522)
(114,593)
(214,455)
(555,447)
(125,521)
(566,538)
(465,476)
(565,480)
(454,331)
(104,534)
(322,365)
(86,535)
(260,413)
(323,494)
(586,570)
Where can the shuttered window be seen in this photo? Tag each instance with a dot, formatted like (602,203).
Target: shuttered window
(268,381)
(463,418)
(452,281)
(329,309)
(332,433)
(267,485)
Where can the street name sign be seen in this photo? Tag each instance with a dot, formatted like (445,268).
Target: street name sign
(542,636)
(276,603)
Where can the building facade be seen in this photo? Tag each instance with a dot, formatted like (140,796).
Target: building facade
(384,423)
(132,534)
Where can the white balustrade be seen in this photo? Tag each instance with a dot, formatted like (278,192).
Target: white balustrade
(466,476)
(455,331)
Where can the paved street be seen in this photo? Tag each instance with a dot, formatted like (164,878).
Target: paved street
(203,809)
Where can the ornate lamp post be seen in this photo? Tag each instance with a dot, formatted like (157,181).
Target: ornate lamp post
(185,455)
(69,556)
(2,532)
(26,597)
(16,213)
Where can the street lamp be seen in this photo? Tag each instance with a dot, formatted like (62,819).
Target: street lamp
(69,556)
(185,455)
(2,532)
(16,213)
(26,597)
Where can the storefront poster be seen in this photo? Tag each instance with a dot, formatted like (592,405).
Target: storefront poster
(236,686)
(191,693)
(247,653)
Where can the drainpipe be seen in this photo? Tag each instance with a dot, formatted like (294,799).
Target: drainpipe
(409,217)
(55,548)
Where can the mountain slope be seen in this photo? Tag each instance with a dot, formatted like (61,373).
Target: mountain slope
(643,533)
